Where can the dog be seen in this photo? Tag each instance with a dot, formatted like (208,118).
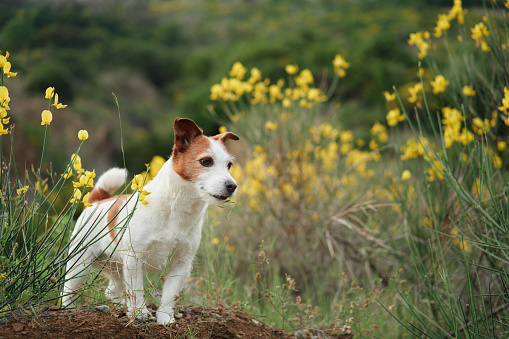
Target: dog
(125,237)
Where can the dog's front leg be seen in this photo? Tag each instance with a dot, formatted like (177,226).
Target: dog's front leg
(133,276)
(174,282)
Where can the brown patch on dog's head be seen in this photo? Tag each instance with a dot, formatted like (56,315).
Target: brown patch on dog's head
(190,146)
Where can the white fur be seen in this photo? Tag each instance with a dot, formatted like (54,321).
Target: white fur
(163,235)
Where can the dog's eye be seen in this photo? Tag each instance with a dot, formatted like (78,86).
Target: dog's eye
(229,165)
(207,162)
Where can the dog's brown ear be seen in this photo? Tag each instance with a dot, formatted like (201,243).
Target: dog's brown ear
(185,132)
(223,137)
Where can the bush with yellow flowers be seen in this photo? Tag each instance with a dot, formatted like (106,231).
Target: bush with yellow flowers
(304,182)
(458,114)
(37,211)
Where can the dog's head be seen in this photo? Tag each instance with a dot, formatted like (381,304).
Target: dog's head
(204,161)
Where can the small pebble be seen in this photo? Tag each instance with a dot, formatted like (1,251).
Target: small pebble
(103,308)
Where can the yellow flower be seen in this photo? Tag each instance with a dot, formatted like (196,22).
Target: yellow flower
(137,182)
(305,78)
(40,189)
(50,92)
(86,179)
(456,12)
(22,190)
(4,100)
(463,245)
(287,102)
(394,117)
(216,241)
(76,162)
(155,165)
(256,75)
(223,129)
(478,33)
(57,104)
(340,65)
(46,117)
(389,97)
(76,196)
(501,145)
(67,173)
(406,175)
(6,65)
(291,69)
(414,92)
(7,70)
(270,125)
(443,24)
(439,84)
(468,91)
(83,135)
(505,100)
(420,39)
(85,200)
(143,195)
(238,70)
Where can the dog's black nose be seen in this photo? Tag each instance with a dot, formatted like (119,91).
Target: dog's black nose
(231,187)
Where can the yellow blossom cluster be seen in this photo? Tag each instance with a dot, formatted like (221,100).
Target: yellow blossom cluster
(421,40)
(46,115)
(439,84)
(414,91)
(504,108)
(478,33)
(444,20)
(307,172)
(379,134)
(22,190)
(84,180)
(340,65)
(468,91)
(256,176)
(4,107)
(481,126)
(137,184)
(453,128)
(394,117)
(6,65)
(260,91)
(414,148)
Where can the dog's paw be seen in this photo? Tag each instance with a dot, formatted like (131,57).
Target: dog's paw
(165,318)
(140,314)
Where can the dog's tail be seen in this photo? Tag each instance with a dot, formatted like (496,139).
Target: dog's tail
(107,184)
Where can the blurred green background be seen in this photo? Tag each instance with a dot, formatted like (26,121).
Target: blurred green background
(160,58)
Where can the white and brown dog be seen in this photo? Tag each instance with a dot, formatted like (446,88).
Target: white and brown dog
(127,237)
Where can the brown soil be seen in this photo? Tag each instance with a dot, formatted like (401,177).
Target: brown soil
(193,322)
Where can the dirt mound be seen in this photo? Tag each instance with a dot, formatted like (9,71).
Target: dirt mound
(195,322)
